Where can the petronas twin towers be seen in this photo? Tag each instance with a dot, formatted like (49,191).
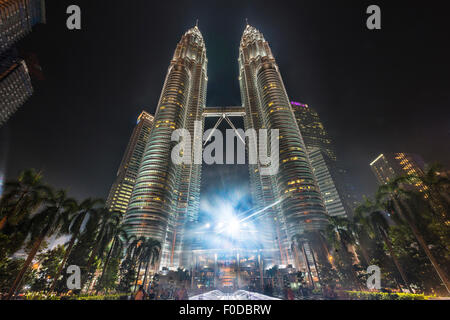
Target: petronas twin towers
(166,196)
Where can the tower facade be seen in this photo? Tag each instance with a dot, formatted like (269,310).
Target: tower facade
(325,171)
(323,160)
(267,106)
(388,166)
(17,19)
(15,85)
(312,129)
(166,195)
(120,193)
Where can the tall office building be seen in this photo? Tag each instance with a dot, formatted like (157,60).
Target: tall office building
(15,85)
(267,106)
(330,177)
(120,193)
(312,129)
(166,195)
(388,166)
(17,20)
(324,169)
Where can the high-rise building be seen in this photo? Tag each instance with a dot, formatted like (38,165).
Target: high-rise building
(324,170)
(17,19)
(388,166)
(15,85)
(312,129)
(4,148)
(166,195)
(328,174)
(120,193)
(267,106)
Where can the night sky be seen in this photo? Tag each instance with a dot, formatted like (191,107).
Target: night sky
(376,91)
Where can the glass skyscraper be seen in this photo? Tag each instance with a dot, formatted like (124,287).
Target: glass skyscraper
(15,85)
(323,168)
(312,129)
(329,176)
(166,195)
(120,193)
(165,198)
(388,166)
(17,18)
(267,105)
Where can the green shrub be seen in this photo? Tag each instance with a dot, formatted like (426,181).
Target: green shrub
(366,295)
(47,296)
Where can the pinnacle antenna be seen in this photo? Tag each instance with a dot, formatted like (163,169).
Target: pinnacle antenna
(196,23)
(246,21)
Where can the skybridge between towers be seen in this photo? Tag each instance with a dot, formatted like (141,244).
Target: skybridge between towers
(224,113)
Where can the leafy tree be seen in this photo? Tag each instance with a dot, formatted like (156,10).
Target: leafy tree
(119,238)
(21,198)
(395,192)
(127,275)
(9,268)
(44,224)
(339,233)
(73,226)
(49,262)
(378,227)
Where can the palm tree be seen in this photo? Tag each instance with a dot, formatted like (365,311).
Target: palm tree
(339,233)
(395,192)
(436,188)
(378,226)
(135,250)
(116,244)
(44,224)
(152,248)
(107,226)
(22,197)
(73,226)
(108,222)
(361,236)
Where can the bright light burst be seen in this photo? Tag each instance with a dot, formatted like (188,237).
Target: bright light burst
(229,221)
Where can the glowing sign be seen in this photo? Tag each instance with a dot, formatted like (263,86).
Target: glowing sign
(299,104)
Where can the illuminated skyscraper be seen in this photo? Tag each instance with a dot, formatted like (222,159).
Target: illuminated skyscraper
(166,195)
(15,85)
(388,166)
(324,169)
(267,106)
(17,19)
(312,129)
(323,159)
(120,193)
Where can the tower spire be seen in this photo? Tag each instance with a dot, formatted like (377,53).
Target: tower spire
(196,23)
(246,21)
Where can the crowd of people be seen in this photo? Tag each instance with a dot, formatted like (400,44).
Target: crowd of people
(162,294)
